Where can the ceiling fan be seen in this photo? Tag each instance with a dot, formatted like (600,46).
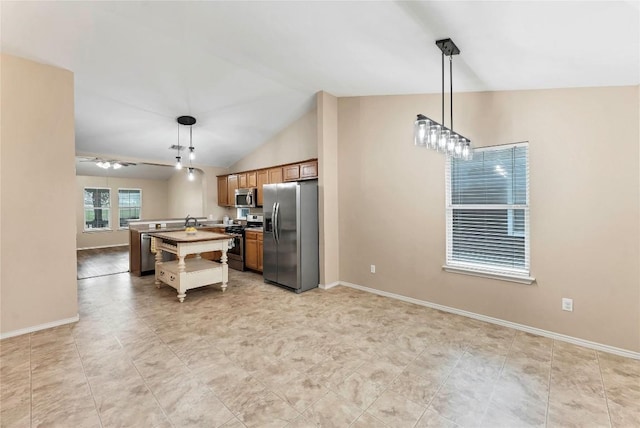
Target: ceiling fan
(108,163)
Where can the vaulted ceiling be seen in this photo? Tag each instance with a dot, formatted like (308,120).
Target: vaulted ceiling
(246,70)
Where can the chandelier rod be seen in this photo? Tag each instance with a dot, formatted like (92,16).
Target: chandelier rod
(451,88)
(442,88)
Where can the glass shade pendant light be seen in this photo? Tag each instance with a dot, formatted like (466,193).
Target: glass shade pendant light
(187,121)
(429,133)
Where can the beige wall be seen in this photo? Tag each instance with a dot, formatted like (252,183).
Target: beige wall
(186,197)
(38,275)
(210,188)
(585,211)
(297,142)
(327,113)
(154,205)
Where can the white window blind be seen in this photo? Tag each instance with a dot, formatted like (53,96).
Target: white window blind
(129,205)
(488,211)
(97,208)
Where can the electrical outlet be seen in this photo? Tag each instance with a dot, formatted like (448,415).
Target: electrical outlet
(373,268)
(567,304)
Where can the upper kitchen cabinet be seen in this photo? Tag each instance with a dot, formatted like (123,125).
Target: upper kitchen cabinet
(309,169)
(275,175)
(223,198)
(232,186)
(252,179)
(300,171)
(291,172)
(228,184)
(242,181)
(262,178)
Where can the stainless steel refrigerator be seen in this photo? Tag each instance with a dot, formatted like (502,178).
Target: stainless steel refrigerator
(290,257)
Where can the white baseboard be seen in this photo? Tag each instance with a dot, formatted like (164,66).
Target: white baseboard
(328,286)
(39,327)
(103,246)
(522,327)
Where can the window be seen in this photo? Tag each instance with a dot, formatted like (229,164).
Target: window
(97,208)
(129,205)
(488,213)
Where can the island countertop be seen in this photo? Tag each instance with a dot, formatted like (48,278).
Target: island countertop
(182,236)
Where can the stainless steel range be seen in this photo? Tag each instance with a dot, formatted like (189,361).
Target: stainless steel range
(235,256)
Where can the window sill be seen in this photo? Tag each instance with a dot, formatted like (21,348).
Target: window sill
(106,229)
(512,277)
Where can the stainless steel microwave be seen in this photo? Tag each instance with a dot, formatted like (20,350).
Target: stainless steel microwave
(246,198)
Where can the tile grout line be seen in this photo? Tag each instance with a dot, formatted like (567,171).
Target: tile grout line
(604,389)
(152,393)
(144,321)
(95,404)
(493,390)
(546,415)
(389,388)
(441,385)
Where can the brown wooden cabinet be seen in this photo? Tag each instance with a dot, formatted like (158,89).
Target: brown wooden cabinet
(291,172)
(262,178)
(134,253)
(309,169)
(232,185)
(252,257)
(275,175)
(223,199)
(242,181)
(260,250)
(228,184)
(252,179)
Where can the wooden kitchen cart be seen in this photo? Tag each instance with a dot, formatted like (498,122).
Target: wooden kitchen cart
(184,274)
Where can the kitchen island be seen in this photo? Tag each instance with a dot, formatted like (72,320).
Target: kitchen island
(184,274)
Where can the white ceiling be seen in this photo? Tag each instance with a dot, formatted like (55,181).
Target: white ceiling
(246,70)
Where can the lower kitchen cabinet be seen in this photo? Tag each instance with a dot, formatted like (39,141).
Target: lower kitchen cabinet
(260,251)
(253,250)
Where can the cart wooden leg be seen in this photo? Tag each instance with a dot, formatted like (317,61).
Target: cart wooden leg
(158,263)
(225,268)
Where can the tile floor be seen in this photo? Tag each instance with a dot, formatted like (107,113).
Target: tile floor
(259,356)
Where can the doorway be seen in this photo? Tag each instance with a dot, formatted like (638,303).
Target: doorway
(102,261)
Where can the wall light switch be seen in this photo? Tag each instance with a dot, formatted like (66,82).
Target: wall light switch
(373,268)
(567,304)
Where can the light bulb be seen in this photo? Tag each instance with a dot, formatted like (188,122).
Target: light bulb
(467,152)
(178,163)
(457,149)
(420,130)
(192,153)
(116,165)
(191,175)
(106,165)
(443,140)
(99,164)
(434,133)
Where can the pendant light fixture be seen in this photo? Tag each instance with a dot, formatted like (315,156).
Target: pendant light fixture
(429,133)
(187,121)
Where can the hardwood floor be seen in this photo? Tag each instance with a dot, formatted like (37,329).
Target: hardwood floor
(102,261)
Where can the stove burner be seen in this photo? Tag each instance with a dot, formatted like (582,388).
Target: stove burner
(235,229)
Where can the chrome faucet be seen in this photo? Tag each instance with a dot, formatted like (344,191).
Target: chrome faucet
(188,219)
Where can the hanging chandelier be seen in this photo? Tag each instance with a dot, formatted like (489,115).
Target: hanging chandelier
(187,121)
(429,133)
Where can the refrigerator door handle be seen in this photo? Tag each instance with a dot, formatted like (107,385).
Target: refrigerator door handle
(273,217)
(276,225)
